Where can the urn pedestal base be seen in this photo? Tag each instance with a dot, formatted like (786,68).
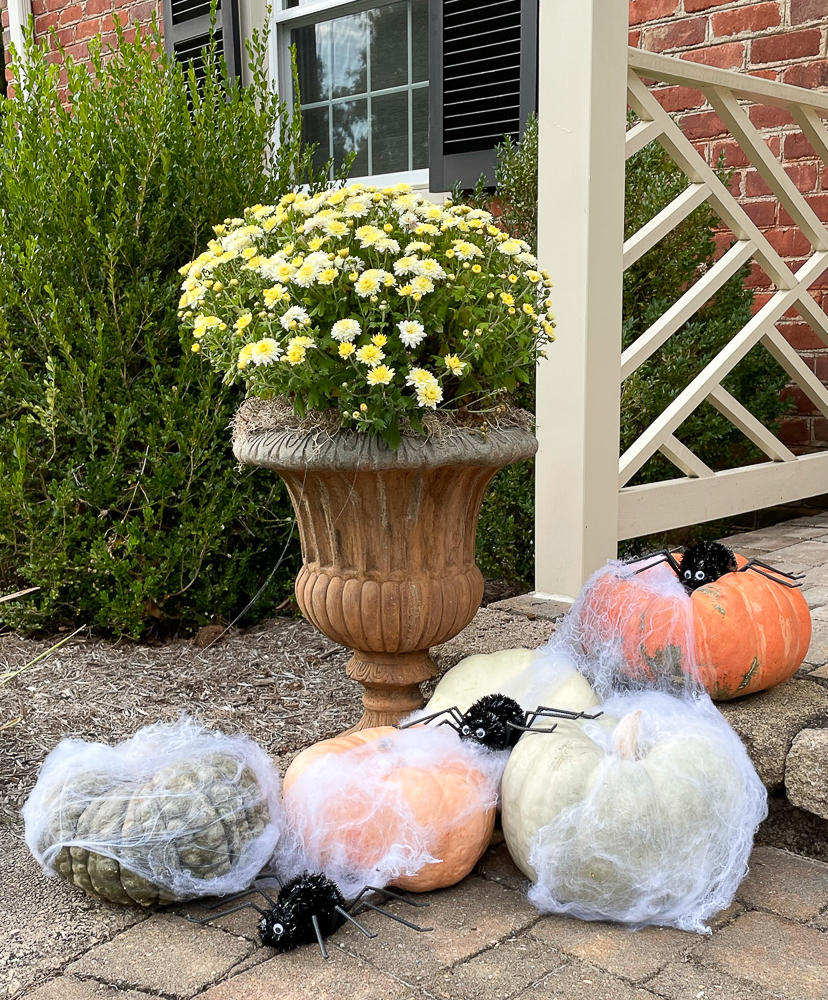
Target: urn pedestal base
(388,540)
(392,685)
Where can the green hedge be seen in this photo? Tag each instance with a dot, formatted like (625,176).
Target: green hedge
(119,495)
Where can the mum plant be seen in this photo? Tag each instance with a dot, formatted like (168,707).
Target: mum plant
(374,303)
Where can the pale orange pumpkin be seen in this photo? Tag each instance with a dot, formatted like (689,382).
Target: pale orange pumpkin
(451,807)
(750,632)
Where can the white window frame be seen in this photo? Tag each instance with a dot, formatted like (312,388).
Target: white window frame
(281,23)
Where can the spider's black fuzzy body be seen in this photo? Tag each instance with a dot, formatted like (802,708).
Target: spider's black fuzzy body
(290,922)
(704,563)
(492,722)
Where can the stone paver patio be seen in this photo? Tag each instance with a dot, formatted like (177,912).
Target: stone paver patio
(487,942)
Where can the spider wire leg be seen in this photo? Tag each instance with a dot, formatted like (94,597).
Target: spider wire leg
(662,557)
(753,563)
(391,895)
(229,899)
(319,937)
(451,723)
(271,902)
(234,909)
(356,923)
(430,718)
(393,916)
(792,583)
(529,729)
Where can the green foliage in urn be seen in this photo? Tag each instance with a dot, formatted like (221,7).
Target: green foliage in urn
(119,496)
(375,303)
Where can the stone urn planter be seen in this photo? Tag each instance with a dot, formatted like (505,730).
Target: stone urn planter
(388,540)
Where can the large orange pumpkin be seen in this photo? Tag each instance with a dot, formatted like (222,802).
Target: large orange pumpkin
(747,631)
(443,814)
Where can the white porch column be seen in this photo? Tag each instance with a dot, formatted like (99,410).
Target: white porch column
(581,112)
(20,11)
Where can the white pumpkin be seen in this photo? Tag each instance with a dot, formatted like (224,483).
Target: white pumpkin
(532,678)
(649,819)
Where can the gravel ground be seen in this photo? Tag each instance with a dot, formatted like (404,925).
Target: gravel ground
(281,682)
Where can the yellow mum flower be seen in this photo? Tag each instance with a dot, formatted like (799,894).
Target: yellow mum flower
(379,339)
(527,308)
(454,364)
(370,355)
(428,396)
(346,349)
(295,353)
(196,347)
(274,295)
(328,276)
(243,322)
(380,375)
(507,298)
(245,356)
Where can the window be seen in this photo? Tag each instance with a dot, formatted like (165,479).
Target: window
(363,80)
(187,31)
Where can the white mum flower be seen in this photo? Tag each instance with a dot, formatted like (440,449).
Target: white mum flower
(419,377)
(297,315)
(510,247)
(428,268)
(412,333)
(371,281)
(464,250)
(428,396)
(346,330)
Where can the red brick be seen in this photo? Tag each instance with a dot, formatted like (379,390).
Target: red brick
(69,15)
(809,75)
(818,283)
(789,242)
(757,277)
(807,10)
(650,10)
(765,116)
(797,147)
(98,7)
(43,22)
(88,28)
(820,430)
(676,35)
(803,404)
(66,36)
(78,51)
(703,125)
(761,213)
(680,98)
(142,12)
(731,55)
(634,38)
(818,202)
(800,336)
(794,430)
(756,17)
(734,155)
(736,183)
(693,6)
(820,365)
(804,175)
(755,186)
(786,45)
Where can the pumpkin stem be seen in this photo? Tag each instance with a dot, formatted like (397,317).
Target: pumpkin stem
(625,737)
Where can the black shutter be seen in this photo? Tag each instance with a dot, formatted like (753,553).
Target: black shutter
(187,31)
(483,73)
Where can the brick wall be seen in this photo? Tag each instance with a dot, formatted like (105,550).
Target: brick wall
(783,40)
(76,21)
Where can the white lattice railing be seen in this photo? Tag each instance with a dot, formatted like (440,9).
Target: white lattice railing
(591,368)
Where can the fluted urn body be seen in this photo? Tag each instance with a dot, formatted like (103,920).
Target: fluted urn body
(388,541)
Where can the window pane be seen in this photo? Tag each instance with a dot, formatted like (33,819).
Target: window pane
(389,132)
(315,130)
(419,40)
(419,99)
(313,61)
(389,46)
(350,129)
(350,54)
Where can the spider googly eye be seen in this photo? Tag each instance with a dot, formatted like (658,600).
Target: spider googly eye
(688,575)
(480,734)
(466,731)
(278,930)
(699,574)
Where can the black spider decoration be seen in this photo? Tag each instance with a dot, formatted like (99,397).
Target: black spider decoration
(497,721)
(706,562)
(310,907)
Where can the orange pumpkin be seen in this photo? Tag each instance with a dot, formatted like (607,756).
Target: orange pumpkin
(441,813)
(747,632)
